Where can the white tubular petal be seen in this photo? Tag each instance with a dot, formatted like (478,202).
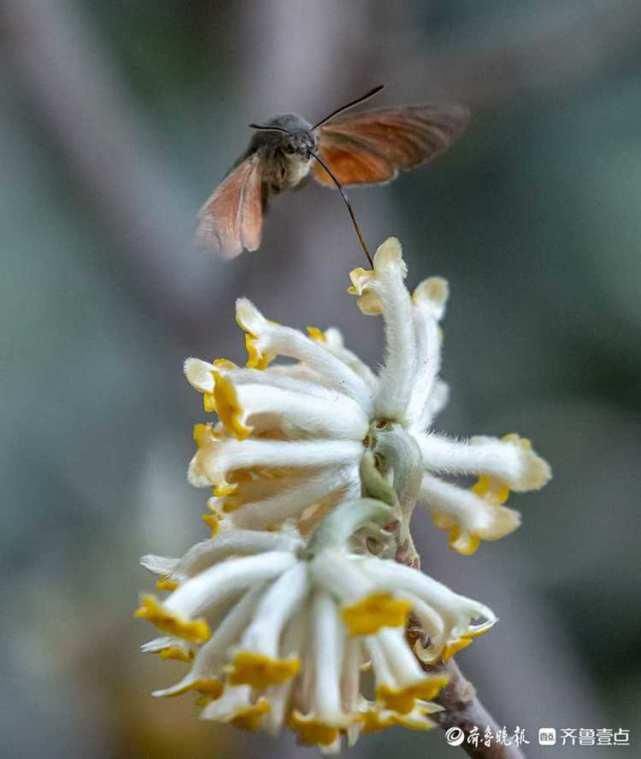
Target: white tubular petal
(296,415)
(196,476)
(350,684)
(218,583)
(399,656)
(158,565)
(166,641)
(339,576)
(224,456)
(279,695)
(328,486)
(212,655)
(350,681)
(328,643)
(235,699)
(303,689)
(301,373)
(285,341)
(261,486)
(382,671)
(199,374)
(510,461)
(230,543)
(428,364)
(278,605)
(157,644)
(294,377)
(388,575)
(397,377)
(334,344)
(436,402)
(472,513)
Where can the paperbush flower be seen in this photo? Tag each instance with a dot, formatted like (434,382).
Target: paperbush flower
(280,629)
(290,438)
(293,613)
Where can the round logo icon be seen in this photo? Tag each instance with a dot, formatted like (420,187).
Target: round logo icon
(454,736)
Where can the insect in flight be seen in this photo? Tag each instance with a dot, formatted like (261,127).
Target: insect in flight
(343,149)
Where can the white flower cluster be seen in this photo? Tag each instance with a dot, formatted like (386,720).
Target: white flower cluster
(294,612)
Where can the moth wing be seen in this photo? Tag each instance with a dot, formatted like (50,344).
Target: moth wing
(232,218)
(351,163)
(372,146)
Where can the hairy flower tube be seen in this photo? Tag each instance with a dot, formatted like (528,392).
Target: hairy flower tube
(290,438)
(308,634)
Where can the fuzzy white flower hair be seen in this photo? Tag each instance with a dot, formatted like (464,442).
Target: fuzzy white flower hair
(291,437)
(281,630)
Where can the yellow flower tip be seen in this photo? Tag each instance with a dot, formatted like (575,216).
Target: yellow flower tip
(369,614)
(432,293)
(398,700)
(250,717)
(248,317)
(193,630)
(403,700)
(389,253)
(375,720)
(223,488)
(260,671)
(251,321)
(213,522)
(429,687)
(176,652)
(523,442)
(256,359)
(491,490)
(455,646)
(224,364)
(198,374)
(208,686)
(537,471)
(368,301)
(316,334)
(312,731)
(203,435)
(442,521)
(464,543)
(209,403)
(231,503)
(360,279)
(166,583)
(434,290)
(228,407)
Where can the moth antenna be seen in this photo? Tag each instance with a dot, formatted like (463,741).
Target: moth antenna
(351,104)
(339,187)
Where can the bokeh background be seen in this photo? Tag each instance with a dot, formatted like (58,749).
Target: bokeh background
(117,120)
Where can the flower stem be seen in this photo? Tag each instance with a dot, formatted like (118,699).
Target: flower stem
(341,523)
(463,709)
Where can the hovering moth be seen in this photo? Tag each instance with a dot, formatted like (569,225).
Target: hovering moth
(341,150)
